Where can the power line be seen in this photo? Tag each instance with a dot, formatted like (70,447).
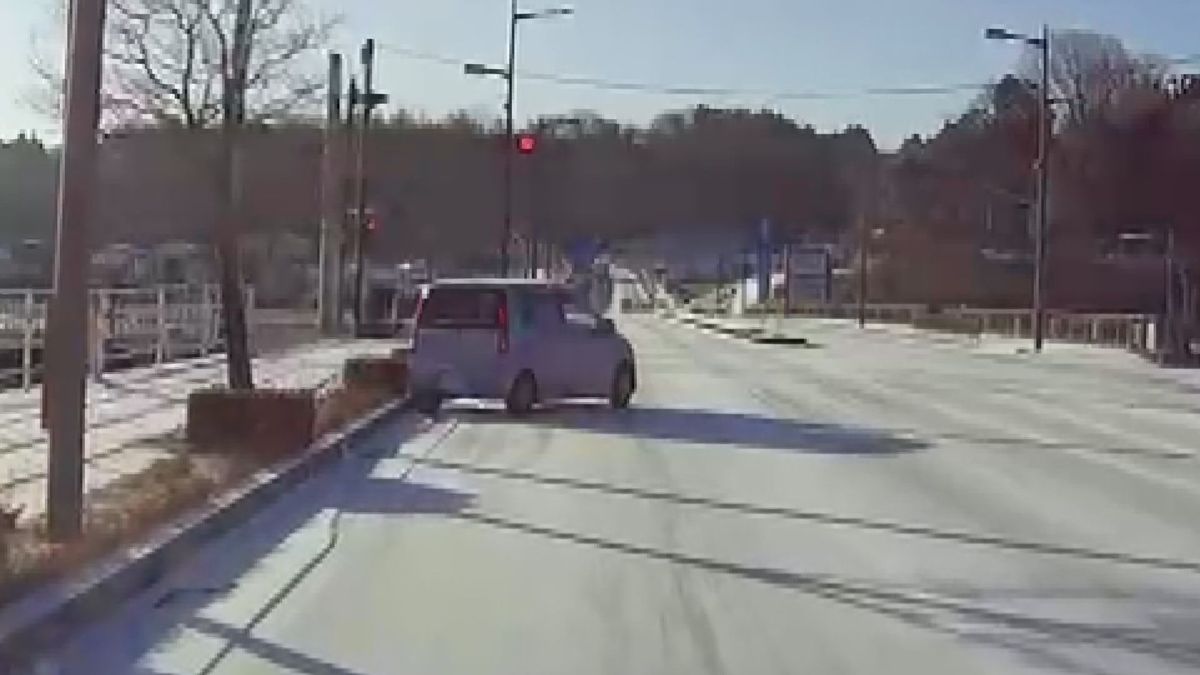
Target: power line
(676,90)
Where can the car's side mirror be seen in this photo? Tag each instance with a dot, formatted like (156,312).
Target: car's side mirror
(605,326)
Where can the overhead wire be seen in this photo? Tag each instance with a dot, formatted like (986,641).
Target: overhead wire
(680,90)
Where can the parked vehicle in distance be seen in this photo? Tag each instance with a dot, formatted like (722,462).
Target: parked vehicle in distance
(523,341)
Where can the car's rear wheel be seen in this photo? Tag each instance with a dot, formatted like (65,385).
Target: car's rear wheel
(623,385)
(427,402)
(523,395)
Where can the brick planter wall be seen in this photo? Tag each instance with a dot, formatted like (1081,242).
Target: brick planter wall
(386,374)
(270,423)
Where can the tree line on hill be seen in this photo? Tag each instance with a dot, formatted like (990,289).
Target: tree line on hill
(946,218)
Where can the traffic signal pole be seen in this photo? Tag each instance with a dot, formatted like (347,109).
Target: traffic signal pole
(368,102)
(66,340)
(510,77)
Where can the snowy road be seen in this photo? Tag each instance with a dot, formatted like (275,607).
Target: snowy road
(875,505)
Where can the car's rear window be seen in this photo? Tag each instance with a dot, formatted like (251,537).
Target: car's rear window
(461,308)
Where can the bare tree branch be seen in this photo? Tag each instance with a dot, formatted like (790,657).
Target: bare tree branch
(171,61)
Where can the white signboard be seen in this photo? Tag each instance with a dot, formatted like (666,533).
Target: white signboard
(809,272)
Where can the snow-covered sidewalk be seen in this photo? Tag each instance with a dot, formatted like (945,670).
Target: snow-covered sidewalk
(133,415)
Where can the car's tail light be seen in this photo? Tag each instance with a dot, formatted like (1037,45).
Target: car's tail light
(502,327)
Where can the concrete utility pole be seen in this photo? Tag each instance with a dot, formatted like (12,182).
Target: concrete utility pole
(333,206)
(66,360)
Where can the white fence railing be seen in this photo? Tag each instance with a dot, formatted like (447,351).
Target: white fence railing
(154,324)
(1135,332)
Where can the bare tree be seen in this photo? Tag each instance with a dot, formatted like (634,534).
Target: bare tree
(166,60)
(1090,71)
(212,64)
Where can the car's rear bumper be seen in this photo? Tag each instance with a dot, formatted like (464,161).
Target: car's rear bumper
(451,382)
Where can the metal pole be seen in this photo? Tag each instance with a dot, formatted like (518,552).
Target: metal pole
(787,288)
(27,344)
(334,203)
(360,221)
(1170,339)
(160,303)
(1039,256)
(510,77)
(66,363)
(349,185)
(862,273)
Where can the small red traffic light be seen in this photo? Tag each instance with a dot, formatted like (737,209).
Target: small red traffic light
(526,144)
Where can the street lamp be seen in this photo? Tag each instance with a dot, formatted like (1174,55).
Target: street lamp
(1042,44)
(509,75)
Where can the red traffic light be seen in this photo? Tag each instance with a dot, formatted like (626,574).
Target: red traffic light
(526,144)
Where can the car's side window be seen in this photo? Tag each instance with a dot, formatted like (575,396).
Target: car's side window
(549,311)
(525,312)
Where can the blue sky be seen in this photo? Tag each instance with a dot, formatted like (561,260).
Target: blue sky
(835,46)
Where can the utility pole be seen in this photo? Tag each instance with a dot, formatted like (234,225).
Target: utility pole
(333,202)
(1043,226)
(349,188)
(369,99)
(510,77)
(66,361)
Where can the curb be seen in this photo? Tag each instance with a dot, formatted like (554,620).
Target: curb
(43,620)
(752,334)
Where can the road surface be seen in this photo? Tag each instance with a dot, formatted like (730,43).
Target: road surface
(873,505)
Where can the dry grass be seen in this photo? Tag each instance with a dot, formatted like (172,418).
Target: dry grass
(122,513)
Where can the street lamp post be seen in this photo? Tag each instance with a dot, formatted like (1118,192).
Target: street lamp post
(1042,44)
(509,74)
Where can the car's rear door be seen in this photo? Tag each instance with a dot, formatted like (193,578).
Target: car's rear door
(547,347)
(460,330)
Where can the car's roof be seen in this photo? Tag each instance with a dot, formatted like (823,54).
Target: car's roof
(495,282)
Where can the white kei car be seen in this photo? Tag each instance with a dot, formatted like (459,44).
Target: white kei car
(522,341)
